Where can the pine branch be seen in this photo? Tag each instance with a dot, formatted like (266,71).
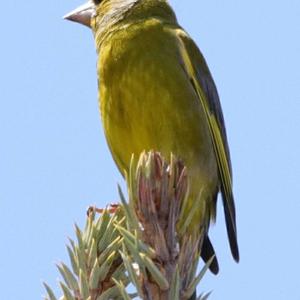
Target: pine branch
(95,261)
(139,243)
(167,259)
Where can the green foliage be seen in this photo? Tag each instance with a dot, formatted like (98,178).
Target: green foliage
(96,262)
(138,243)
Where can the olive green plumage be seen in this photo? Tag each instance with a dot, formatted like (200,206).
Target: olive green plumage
(156,93)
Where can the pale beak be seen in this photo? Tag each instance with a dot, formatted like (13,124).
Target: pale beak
(82,14)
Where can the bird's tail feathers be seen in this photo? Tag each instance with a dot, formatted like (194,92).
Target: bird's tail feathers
(231,225)
(207,252)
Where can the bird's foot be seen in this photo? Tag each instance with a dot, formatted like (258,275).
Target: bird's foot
(111,209)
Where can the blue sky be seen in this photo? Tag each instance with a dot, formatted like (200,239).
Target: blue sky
(55,162)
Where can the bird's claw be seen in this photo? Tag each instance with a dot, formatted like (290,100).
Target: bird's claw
(112,208)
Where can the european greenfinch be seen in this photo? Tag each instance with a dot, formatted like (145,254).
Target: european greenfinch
(157,93)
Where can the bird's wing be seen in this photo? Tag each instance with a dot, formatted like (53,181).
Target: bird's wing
(202,81)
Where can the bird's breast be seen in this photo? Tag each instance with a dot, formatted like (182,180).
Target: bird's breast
(148,103)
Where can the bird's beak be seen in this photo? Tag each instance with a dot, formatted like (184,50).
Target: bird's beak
(82,14)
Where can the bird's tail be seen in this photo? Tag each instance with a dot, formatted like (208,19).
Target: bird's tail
(207,252)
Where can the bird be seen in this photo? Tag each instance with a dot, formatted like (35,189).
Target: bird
(156,92)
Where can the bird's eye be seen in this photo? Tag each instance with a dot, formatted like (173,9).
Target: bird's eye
(97,2)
